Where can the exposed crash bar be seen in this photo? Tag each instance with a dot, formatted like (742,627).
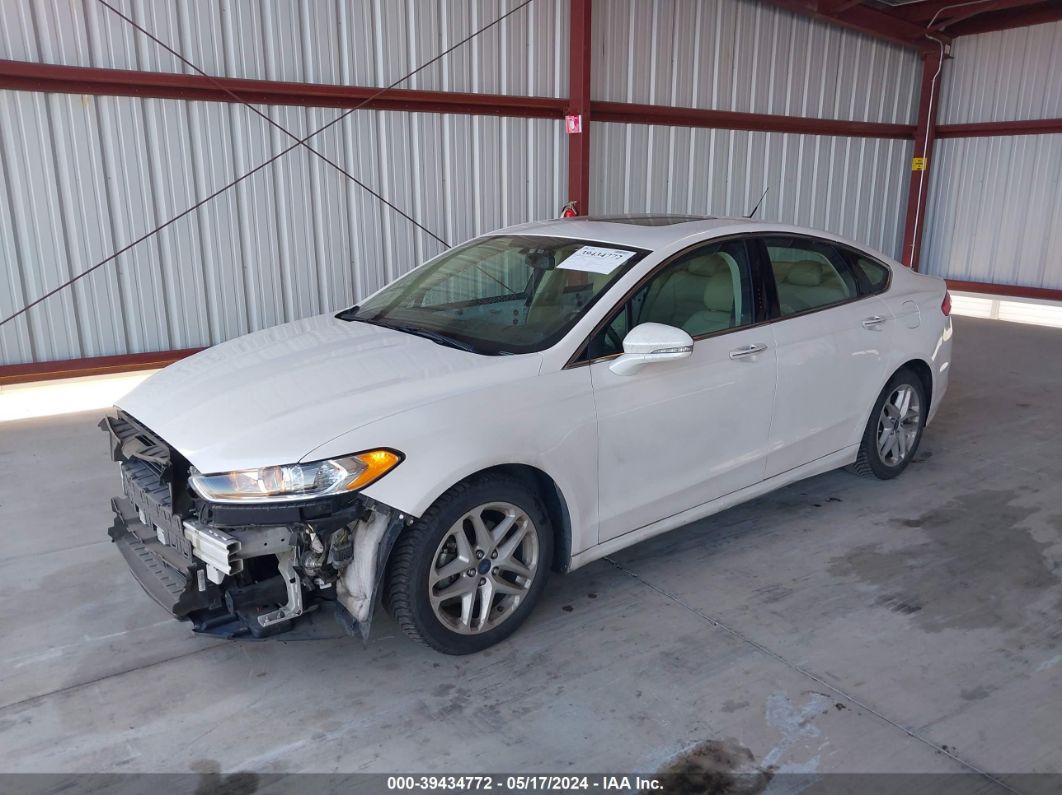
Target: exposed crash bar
(216,549)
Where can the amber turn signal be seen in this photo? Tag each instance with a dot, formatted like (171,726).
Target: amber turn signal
(377,464)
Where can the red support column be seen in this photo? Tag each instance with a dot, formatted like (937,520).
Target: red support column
(925,135)
(579,105)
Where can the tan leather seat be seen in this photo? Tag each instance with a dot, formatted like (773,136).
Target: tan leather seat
(675,299)
(808,284)
(718,311)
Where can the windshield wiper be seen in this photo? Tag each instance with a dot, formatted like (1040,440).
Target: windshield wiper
(434,336)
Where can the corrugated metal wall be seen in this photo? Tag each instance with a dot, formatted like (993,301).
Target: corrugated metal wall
(747,56)
(340,42)
(849,186)
(995,211)
(995,204)
(1004,76)
(754,58)
(82,176)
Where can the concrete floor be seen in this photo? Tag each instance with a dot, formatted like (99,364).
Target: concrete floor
(840,624)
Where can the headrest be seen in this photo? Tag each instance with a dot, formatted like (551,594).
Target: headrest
(807,273)
(708,265)
(719,293)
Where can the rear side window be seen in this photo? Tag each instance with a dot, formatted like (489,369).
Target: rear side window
(875,274)
(809,274)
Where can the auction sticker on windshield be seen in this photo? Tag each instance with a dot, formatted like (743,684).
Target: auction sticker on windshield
(596,259)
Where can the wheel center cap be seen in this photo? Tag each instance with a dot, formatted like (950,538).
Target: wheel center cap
(484,566)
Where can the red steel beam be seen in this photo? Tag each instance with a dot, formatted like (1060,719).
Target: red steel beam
(1005,290)
(993,128)
(579,105)
(23,76)
(871,21)
(1041,13)
(96,365)
(953,10)
(733,120)
(918,189)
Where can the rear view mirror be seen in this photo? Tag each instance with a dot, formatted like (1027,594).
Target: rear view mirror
(651,342)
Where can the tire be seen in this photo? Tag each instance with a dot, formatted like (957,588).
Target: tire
(481,608)
(886,463)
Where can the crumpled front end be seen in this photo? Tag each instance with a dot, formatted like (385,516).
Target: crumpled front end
(310,568)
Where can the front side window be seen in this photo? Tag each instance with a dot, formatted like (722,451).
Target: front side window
(500,295)
(703,292)
(809,274)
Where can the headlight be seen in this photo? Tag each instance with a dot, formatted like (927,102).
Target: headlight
(297,481)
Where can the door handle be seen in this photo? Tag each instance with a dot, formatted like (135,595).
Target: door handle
(873,322)
(748,350)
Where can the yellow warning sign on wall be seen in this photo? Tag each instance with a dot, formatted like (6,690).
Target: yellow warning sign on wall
(918,164)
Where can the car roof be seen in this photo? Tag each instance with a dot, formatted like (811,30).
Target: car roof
(656,231)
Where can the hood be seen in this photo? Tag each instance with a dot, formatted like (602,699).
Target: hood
(273,396)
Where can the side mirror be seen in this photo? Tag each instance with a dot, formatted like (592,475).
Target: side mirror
(651,342)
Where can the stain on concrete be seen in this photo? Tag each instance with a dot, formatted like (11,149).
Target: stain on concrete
(212,782)
(567,608)
(453,703)
(733,706)
(720,767)
(1049,663)
(775,592)
(976,693)
(980,567)
(796,726)
(898,603)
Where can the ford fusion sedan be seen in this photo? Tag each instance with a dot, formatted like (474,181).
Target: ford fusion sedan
(522,404)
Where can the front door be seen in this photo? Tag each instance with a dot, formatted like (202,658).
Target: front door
(678,434)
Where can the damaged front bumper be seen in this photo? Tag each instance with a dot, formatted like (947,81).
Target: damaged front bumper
(245,571)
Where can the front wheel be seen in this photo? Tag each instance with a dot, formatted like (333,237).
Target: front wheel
(894,429)
(468,573)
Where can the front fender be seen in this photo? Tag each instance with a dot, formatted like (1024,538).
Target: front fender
(548,422)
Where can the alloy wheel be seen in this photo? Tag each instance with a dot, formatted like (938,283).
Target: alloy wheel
(483,568)
(898,425)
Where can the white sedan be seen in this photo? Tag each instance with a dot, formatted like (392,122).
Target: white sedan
(529,401)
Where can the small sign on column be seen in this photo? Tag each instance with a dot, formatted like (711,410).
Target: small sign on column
(573,125)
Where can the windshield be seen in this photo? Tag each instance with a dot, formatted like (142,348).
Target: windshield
(499,295)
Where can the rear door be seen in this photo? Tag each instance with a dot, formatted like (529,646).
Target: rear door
(678,434)
(830,336)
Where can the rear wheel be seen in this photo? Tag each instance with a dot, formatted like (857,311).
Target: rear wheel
(467,574)
(894,429)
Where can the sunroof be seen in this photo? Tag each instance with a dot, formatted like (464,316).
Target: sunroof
(650,220)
